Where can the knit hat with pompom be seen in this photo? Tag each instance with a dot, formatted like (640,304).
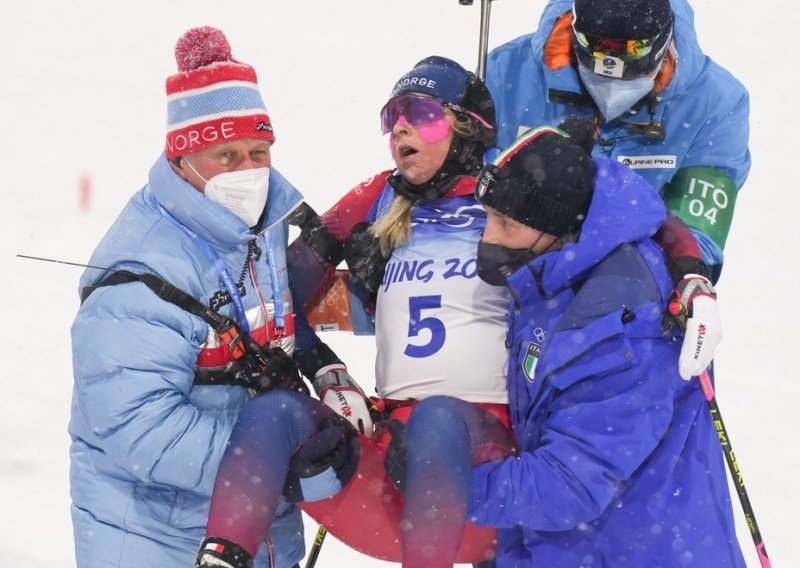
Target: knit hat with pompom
(213,98)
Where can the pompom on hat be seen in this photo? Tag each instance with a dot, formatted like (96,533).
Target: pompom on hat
(213,98)
(544,180)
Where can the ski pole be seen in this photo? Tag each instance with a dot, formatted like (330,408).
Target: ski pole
(733,467)
(483,40)
(61,262)
(316,547)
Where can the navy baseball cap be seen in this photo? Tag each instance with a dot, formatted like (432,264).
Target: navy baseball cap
(439,77)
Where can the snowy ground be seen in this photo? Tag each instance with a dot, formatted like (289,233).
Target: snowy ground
(85,96)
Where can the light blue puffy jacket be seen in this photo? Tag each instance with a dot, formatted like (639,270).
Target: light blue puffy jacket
(146,443)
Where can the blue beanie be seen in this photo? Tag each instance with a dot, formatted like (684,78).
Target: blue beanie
(625,20)
(544,180)
(622,19)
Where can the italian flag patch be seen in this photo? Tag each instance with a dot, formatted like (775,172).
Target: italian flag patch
(530,360)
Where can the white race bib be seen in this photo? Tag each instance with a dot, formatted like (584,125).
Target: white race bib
(440,329)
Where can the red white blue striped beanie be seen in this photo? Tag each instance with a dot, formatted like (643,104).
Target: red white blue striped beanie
(213,98)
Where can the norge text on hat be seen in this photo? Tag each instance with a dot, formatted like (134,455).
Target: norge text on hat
(213,98)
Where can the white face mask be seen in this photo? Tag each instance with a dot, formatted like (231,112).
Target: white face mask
(615,96)
(242,192)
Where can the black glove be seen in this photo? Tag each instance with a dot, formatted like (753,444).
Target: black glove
(217,551)
(273,369)
(395,460)
(325,463)
(364,258)
(581,132)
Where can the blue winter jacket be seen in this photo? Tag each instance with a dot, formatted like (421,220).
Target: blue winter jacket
(704,111)
(146,443)
(619,461)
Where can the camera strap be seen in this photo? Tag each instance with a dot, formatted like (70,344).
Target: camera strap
(239,341)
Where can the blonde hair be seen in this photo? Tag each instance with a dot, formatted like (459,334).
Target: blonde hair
(394,227)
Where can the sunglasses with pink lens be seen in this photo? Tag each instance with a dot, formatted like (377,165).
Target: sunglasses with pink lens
(425,114)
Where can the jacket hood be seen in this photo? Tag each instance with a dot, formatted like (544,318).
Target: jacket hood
(690,57)
(624,209)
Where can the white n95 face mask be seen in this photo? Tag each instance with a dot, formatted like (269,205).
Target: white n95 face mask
(615,96)
(242,192)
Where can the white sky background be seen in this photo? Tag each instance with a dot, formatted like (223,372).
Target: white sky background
(83,93)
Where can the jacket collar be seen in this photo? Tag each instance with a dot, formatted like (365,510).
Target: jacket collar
(209,220)
(624,209)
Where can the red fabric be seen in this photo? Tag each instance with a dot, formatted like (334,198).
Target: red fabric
(201,46)
(210,75)
(401,409)
(354,207)
(195,137)
(677,239)
(465,186)
(339,220)
(221,355)
(329,310)
(367,514)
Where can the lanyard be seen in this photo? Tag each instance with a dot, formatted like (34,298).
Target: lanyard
(277,297)
(222,270)
(225,276)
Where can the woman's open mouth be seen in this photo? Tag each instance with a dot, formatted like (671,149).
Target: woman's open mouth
(405,150)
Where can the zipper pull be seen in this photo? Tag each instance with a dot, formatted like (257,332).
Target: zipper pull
(254,250)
